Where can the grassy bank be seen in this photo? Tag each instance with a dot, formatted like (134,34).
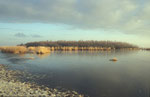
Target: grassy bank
(11,86)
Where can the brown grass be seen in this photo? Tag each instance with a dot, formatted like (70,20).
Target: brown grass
(14,49)
(42,50)
(39,50)
(31,49)
(23,50)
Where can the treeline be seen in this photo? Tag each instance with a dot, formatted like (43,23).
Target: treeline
(102,44)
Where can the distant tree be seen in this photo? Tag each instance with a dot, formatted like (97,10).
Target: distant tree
(81,43)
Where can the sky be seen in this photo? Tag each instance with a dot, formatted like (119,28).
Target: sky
(24,21)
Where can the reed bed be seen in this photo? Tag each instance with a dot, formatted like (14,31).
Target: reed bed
(14,49)
(44,50)
(39,50)
(23,50)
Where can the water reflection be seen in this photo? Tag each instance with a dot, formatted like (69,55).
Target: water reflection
(92,73)
(42,56)
(95,53)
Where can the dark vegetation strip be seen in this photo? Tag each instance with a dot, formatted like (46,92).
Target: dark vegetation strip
(111,44)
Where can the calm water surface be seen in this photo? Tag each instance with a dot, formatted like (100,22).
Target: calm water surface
(89,73)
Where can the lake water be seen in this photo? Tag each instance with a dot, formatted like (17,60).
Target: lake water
(89,73)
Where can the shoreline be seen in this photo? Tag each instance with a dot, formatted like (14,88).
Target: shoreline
(10,85)
(45,50)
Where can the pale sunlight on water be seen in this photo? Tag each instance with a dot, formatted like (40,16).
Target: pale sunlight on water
(89,73)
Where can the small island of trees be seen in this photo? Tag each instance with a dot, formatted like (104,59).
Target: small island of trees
(43,47)
(82,45)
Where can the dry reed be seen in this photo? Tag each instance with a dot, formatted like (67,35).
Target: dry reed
(39,50)
(14,49)
(23,49)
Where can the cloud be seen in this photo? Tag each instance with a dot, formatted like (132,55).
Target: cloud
(20,35)
(128,16)
(36,36)
(23,35)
